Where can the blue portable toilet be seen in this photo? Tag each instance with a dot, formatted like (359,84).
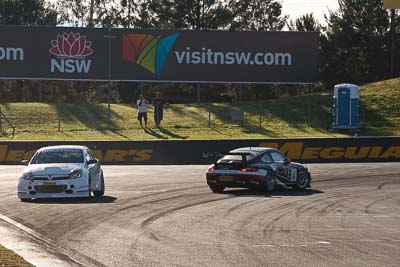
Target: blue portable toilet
(346,107)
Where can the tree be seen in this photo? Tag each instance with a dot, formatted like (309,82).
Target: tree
(78,13)
(355,47)
(257,15)
(27,12)
(305,23)
(136,14)
(196,14)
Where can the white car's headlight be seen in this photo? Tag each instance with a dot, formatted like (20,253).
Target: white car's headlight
(75,174)
(27,176)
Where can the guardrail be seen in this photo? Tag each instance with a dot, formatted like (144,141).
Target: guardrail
(180,152)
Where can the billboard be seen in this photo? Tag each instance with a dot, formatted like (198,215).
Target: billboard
(163,152)
(391,4)
(158,55)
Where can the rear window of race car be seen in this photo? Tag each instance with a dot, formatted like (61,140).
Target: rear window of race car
(238,157)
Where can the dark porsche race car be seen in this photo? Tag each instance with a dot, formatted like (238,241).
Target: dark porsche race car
(257,167)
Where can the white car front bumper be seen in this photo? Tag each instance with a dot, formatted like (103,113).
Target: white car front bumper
(53,189)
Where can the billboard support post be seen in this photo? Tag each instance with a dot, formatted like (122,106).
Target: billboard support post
(109,37)
(393,5)
(393,43)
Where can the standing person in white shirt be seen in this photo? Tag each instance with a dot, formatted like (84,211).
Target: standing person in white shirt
(142,110)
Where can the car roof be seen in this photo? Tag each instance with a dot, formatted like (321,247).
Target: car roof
(255,150)
(63,147)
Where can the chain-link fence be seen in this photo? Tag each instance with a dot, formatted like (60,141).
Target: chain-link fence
(290,117)
(6,127)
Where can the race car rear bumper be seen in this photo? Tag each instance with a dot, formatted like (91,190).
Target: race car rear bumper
(235,180)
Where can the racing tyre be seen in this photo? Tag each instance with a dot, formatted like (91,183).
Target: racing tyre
(270,182)
(25,199)
(217,189)
(303,180)
(100,192)
(90,192)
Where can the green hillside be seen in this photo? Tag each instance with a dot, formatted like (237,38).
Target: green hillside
(301,116)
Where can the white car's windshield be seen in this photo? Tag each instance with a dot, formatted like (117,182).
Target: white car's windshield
(58,156)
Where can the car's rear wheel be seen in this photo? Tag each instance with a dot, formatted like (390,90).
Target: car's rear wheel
(302,181)
(217,189)
(270,182)
(99,193)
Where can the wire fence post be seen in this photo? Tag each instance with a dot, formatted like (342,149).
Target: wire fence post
(1,125)
(260,115)
(209,115)
(59,122)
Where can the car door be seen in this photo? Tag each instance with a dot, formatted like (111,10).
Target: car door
(93,170)
(284,168)
(280,165)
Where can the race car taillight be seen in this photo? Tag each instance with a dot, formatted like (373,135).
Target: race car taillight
(211,168)
(250,170)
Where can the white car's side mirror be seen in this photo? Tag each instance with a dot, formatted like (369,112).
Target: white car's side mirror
(92,161)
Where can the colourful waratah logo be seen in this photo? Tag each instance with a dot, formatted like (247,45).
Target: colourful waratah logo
(71,45)
(148,51)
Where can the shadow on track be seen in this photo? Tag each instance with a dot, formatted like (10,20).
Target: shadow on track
(83,200)
(277,193)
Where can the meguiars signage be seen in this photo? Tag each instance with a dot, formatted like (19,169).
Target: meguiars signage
(313,150)
(298,151)
(158,55)
(391,4)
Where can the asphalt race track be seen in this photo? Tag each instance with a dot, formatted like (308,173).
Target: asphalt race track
(166,215)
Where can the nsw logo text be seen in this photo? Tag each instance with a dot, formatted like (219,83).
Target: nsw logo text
(71,50)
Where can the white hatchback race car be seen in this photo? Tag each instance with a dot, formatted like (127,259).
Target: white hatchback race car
(61,171)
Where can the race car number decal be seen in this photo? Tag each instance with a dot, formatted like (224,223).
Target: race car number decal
(293,174)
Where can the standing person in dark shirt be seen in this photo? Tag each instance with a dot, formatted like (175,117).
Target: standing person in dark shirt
(158,103)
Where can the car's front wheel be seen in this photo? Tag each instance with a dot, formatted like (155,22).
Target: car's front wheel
(217,189)
(89,191)
(100,192)
(303,180)
(25,199)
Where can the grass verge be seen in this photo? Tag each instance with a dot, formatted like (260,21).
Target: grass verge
(299,116)
(10,259)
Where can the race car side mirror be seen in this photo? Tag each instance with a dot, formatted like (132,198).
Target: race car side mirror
(24,162)
(287,161)
(92,161)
